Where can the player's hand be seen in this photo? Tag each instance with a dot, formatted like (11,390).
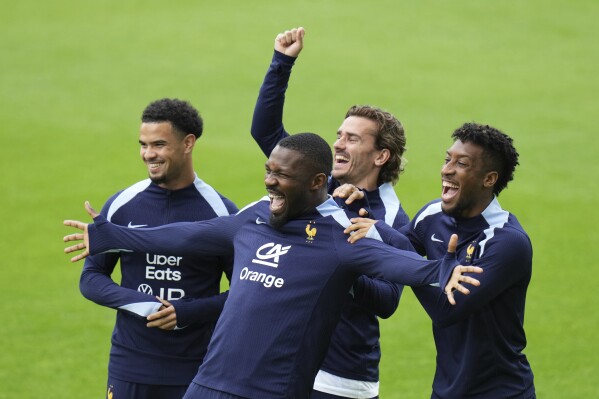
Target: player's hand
(359,227)
(165,318)
(350,192)
(290,42)
(79,236)
(457,277)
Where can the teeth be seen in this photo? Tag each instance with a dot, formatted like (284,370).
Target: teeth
(341,158)
(272,196)
(450,185)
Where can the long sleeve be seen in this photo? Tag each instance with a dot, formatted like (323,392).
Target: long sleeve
(377,259)
(267,123)
(202,310)
(377,295)
(210,237)
(380,296)
(506,263)
(96,285)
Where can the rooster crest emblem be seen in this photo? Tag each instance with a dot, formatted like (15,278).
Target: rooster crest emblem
(310,231)
(469,252)
(109,393)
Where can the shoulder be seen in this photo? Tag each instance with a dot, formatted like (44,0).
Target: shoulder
(221,205)
(123,197)
(428,212)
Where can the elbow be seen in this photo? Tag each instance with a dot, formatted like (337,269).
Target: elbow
(85,286)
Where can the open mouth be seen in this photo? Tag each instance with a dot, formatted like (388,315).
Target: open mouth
(449,191)
(277,202)
(154,166)
(341,159)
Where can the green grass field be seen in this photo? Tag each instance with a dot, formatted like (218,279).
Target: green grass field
(75,76)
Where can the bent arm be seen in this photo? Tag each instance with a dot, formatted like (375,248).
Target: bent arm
(97,286)
(507,263)
(377,295)
(199,310)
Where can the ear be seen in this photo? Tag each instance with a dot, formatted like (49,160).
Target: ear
(382,157)
(189,141)
(319,181)
(490,179)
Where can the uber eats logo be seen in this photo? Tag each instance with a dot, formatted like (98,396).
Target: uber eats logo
(162,274)
(158,267)
(267,255)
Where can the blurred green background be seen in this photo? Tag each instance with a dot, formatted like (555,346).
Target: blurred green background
(75,76)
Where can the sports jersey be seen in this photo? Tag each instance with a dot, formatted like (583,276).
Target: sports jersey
(480,340)
(354,353)
(287,290)
(150,355)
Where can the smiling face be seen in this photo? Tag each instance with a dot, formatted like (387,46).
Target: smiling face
(167,155)
(357,161)
(467,186)
(290,186)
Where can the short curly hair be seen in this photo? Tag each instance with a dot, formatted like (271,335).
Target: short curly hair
(181,114)
(314,149)
(390,135)
(499,153)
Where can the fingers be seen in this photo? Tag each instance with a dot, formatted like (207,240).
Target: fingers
(300,35)
(74,237)
(90,211)
(458,277)
(165,319)
(164,301)
(82,255)
(450,297)
(453,243)
(469,269)
(73,248)
(74,223)
(363,212)
(349,191)
(291,36)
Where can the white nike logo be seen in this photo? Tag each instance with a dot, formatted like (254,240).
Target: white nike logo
(134,226)
(260,221)
(435,239)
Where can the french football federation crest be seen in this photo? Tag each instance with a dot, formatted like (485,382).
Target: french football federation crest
(310,231)
(470,251)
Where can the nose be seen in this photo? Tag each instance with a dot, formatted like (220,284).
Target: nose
(447,169)
(148,153)
(269,179)
(339,144)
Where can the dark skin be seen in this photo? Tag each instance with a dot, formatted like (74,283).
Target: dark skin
(289,177)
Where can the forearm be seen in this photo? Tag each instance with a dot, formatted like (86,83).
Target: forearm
(267,122)
(199,310)
(97,286)
(379,296)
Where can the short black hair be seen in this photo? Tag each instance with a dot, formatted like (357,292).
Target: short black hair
(315,150)
(181,114)
(499,153)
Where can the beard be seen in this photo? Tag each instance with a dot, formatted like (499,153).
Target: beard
(277,221)
(158,179)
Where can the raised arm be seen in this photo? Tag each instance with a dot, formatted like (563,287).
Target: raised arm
(267,123)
